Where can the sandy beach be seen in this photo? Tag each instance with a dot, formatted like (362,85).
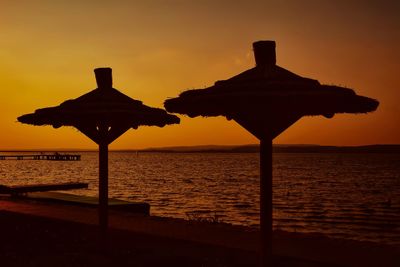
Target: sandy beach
(47,234)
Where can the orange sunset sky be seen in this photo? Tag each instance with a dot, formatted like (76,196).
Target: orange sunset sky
(157,49)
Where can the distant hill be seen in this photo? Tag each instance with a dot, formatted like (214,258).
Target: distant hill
(251,148)
(278,149)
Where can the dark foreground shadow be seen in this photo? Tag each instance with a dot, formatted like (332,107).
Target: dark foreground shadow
(36,241)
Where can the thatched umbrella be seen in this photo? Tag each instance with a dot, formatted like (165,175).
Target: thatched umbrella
(103,115)
(266,100)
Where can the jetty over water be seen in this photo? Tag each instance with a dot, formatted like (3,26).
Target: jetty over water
(56,156)
(24,189)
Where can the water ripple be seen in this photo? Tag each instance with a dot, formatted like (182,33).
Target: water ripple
(353,196)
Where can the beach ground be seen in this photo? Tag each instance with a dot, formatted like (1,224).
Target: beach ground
(43,234)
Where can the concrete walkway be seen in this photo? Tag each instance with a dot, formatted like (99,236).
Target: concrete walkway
(216,234)
(309,247)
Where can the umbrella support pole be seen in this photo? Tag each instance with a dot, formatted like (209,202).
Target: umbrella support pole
(103,188)
(266,202)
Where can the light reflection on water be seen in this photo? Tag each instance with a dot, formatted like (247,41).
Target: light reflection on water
(353,196)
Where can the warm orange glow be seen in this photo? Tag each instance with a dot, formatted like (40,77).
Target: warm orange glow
(158,49)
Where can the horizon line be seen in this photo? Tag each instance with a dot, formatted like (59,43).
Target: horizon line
(180,146)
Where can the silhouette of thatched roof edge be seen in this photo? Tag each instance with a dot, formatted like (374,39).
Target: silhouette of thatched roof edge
(59,116)
(103,104)
(269,88)
(326,100)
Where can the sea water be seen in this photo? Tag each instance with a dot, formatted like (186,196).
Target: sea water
(354,196)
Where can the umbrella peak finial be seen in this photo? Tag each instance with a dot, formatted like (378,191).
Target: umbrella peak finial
(103,77)
(264,53)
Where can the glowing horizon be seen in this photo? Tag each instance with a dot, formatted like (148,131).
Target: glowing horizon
(157,50)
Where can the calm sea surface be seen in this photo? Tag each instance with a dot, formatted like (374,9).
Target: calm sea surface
(355,196)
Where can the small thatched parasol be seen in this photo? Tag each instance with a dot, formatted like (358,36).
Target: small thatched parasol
(266,100)
(103,115)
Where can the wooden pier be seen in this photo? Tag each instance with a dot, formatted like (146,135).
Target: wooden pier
(23,189)
(56,157)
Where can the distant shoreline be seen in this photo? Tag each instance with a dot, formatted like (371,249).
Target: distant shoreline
(252,148)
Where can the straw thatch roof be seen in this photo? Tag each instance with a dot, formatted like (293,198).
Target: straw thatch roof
(102,105)
(269,89)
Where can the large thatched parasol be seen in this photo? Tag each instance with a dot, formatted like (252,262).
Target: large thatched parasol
(266,100)
(103,115)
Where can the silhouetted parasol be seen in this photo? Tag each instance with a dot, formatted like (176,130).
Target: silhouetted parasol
(103,115)
(266,100)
